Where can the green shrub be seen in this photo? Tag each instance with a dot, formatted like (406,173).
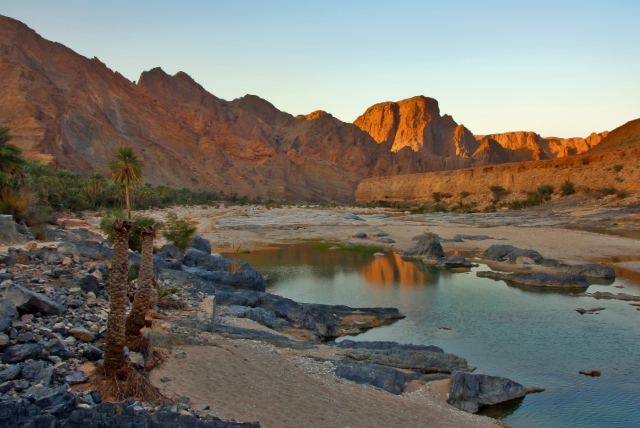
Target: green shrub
(498,192)
(134,271)
(617,168)
(545,191)
(567,188)
(622,194)
(436,196)
(440,208)
(178,231)
(607,191)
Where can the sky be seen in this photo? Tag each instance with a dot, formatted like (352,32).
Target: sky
(561,68)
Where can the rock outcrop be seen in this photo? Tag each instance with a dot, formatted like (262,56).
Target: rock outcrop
(470,392)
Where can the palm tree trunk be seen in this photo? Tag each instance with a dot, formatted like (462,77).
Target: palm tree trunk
(126,189)
(142,300)
(114,357)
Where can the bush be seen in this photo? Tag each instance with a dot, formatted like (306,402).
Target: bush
(178,231)
(607,191)
(567,188)
(498,192)
(545,191)
(436,196)
(621,194)
(14,203)
(617,168)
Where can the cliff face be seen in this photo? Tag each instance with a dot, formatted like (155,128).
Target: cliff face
(416,123)
(72,112)
(615,167)
(524,146)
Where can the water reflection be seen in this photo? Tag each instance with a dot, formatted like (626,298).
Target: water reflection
(391,270)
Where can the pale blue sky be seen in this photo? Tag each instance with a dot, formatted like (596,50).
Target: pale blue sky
(563,67)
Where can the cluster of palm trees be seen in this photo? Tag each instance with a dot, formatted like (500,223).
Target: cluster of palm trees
(126,169)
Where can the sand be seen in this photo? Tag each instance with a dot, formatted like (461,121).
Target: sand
(248,381)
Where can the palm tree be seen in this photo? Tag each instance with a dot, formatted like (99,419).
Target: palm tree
(126,169)
(93,187)
(142,299)
(11,161)
(114,357)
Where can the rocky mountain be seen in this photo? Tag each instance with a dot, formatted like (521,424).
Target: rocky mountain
(73,112)
(625,137)
(416,123)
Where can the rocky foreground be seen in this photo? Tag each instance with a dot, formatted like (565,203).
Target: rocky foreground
(53,315)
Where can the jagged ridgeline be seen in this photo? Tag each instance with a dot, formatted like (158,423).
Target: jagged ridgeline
(72,112)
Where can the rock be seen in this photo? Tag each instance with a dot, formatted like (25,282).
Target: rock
(266,318)
(8,313)
(82,334)
(60,404)
(378,345)
(427,247)
(8,232)
(535,390)
(38,372)
(76,378)
(538,279)
(378,255)
(88,283)
(59,348)
(524,261)
(592,373)
(92,353)
(169,251)
(581,311)
(416,359)
(469,391)
(509,254)
(591,270)
(451,262)
(165,379)
(360,235)
(232,273)
(382,377)
(136,359)
(201,244)
(18,353)
(49,255)
(86,249)
(30,302)
(10,373)
(323,320)
(386,241)
(4,340)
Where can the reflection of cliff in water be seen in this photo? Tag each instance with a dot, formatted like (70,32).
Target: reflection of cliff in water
(391,269)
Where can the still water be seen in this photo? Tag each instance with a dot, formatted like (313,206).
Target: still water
(532,336)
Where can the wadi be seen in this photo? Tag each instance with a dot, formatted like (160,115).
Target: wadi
(171,258)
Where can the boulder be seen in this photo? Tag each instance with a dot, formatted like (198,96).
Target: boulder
(92,353)
(58,348)
(386,240)
(427,247)
(8,232)
(382,377)
(76,378)
(49,255)
(88,283)
(201,244)
(360,235)
(29,302)
(169,252)
(86,249)
(221,270)
(60,404)
(470,392)
(591,270)
(538,279)
(509,254)
(8,313)
(18,353)
(38,372)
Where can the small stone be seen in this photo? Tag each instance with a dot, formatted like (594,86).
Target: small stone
(18,353)
(75,378)
(4,340)
(82,334)
(184,413)
(165,379)
(10,373)
(92,353)
(95,395)
(592,373)
(20,384)
(59,348)
(136,359)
